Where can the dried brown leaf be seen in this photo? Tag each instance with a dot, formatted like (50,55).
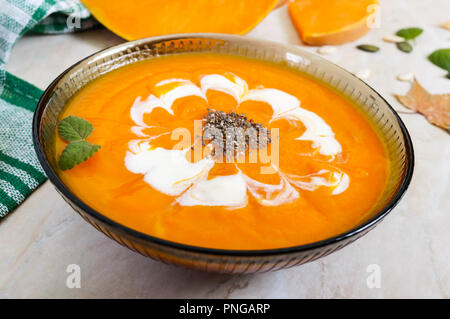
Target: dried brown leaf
(446,25)
(435,107)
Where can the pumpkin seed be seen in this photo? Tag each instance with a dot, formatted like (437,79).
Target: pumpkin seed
(368,48)
(407,77)
(404,46)
(393,38)
(364,74)
(327,49)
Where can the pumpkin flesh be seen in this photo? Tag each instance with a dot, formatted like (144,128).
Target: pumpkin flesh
(135,19)
(321,22)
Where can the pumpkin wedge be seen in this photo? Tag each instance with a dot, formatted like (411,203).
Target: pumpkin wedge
(320,22)
(135,19)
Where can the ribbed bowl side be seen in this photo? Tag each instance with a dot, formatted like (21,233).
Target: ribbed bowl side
(371,103)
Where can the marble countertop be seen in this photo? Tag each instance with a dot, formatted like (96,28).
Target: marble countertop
(410,247)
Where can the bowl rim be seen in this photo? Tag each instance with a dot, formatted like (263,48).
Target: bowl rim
(367,225)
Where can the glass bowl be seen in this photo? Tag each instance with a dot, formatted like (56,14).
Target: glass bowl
(396,136)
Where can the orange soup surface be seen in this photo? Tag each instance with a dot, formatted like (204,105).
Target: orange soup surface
(321,174)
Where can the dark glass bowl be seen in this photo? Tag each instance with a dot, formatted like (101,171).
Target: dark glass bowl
(396,136)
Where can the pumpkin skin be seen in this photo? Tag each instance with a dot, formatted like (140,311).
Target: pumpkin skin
(332,22)
(135,19)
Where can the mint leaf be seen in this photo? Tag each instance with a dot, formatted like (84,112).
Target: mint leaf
(73,129)
(75,153)
(441,58)
(409,33)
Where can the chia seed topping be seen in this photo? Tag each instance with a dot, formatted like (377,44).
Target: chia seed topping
(233,134)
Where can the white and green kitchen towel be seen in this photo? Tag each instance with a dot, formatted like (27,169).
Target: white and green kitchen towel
(20,172)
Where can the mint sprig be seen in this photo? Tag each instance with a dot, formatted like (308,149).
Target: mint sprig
(409,33)
(75,130)
(76,153)
(441,58)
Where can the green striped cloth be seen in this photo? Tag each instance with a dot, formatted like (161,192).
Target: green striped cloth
(20,172)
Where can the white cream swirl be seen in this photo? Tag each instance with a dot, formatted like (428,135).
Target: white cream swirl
(169,172)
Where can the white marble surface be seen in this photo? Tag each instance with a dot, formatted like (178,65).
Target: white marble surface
(411,245)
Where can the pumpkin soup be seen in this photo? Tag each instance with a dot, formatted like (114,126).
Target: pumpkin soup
(225,152)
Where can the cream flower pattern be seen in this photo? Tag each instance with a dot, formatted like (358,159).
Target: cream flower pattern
(168,170)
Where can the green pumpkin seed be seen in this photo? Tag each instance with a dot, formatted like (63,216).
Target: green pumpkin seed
(368,48)
(404,46)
